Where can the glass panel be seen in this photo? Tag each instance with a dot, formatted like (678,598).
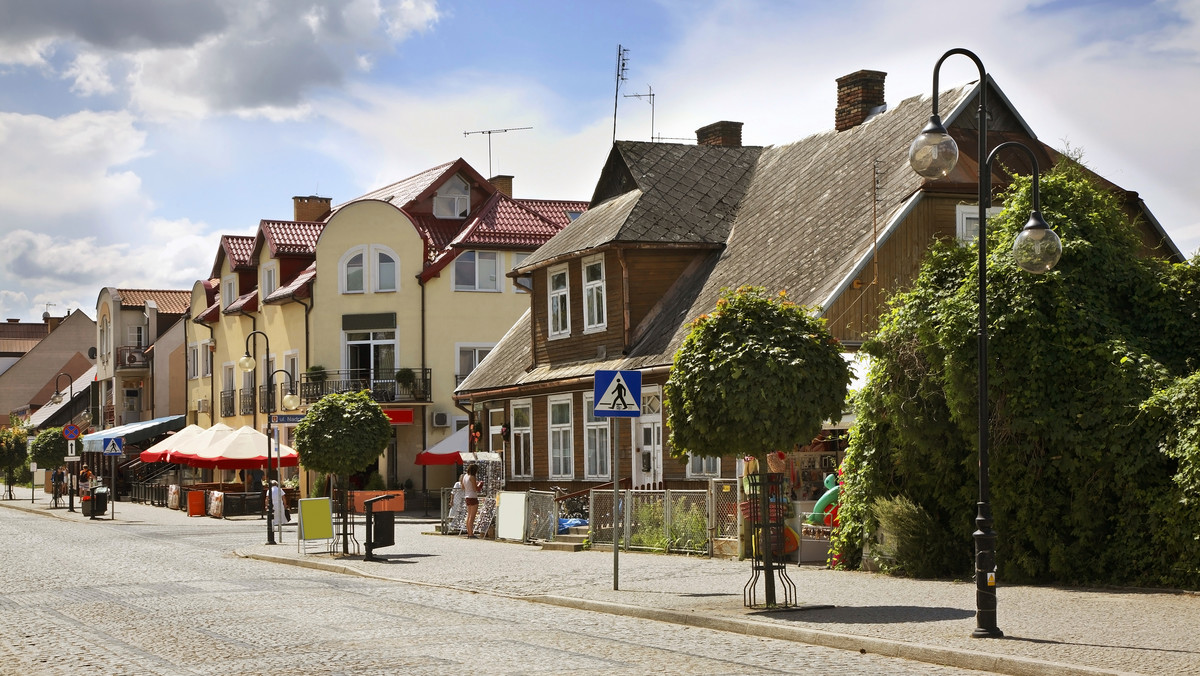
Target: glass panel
(488,270)
(464,270)
(354,273)
(357,336)
(383,335)
(558,281)
(560,414)
(521,416)
(385,361)
(594,272)
(387,273)
(466,360)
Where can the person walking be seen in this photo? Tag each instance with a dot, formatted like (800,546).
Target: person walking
(281,514)
(471,485)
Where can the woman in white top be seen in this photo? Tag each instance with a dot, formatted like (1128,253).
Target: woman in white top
(471,485)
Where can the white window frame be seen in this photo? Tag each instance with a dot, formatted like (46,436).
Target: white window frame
(475,348)
(453,199)
(966,221)
(496,420)
(270,279)
(476,255)
(699,467)
(595,429)
(517,259)
(552,296)
(291,364)
(594,293)
(229,290)
(373,264)
(193,361)
(525,434)
(137,336)
(206,358)
(343,277)
(557,435)
(229,378)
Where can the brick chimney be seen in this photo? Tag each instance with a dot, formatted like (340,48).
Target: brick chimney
(503,183)
(858,94)
(725,134)
(310,209)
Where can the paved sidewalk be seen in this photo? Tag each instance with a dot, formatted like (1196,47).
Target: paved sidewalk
(1048,630)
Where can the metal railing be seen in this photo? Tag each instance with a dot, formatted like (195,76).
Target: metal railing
(131,357)
(227,403)
(246,401)
(266,399)
(382,386)
(663,521)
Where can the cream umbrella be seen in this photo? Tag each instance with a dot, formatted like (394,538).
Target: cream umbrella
(158,452)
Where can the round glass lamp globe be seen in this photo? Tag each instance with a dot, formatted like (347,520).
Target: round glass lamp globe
(291,401)
(246,363)
(1037,249)
(933,154)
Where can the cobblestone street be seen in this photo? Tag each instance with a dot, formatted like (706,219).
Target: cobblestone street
(133,596)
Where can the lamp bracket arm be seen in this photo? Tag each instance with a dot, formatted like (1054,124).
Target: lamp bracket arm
(1037,206)
(978,64)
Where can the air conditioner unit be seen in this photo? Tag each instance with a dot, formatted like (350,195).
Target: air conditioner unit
(202,405)
(441,419)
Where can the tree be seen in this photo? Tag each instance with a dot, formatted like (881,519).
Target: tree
(341,434)
(1079,484)
(757,374)
(13,454)
(49,448)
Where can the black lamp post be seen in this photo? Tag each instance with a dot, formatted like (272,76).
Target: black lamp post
(290,402)
(1037,248)
(56,399)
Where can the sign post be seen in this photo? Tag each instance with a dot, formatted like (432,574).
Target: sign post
(617,394)
(115,447)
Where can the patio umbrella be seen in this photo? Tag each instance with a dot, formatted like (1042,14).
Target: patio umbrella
(243,448)
(446,451)
(185,450)
(158,452)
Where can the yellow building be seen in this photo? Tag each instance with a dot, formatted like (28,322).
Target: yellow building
(400,292)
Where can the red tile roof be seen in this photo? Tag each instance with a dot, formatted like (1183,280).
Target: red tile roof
(211,314)
(291,237)
(169,301)
(506,223)
(556,211)
(247,302)
(297,288)
(238,248)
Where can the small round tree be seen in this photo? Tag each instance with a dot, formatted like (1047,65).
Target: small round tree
(341,434)
(49,448)
(757,374)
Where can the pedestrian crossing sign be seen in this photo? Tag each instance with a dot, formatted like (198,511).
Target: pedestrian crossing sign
(617,394)
(115,446)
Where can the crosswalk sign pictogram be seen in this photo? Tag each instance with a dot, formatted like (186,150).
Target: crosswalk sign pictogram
(617,394)
(115,446)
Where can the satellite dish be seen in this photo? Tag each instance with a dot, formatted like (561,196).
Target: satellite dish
(92,352)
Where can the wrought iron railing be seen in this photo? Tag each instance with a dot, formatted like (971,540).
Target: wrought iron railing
(246,401)
(383,386)
(266,399)
(131,357)
(227,405)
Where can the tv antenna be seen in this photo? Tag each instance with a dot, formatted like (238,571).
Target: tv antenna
(622,62)
(489,133)
(649,97)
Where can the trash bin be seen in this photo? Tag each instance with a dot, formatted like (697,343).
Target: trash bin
(99,500)
(381,527)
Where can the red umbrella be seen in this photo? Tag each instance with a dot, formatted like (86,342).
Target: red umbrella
(446,451)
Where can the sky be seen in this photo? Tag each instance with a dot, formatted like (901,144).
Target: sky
(134,133)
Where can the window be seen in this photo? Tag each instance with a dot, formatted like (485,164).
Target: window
(206,359)
(137,336)
(967,220)
(228,291)
(519,283)
(595,440)
(496,430)
(703,467)
(521,438)
(453,199)
(560,319)
(228,380)
(269,280)
(594,312)
(193,358)
(371,355)
(385,271)
(105,348)
(291,364)
(476,271)
(560,438)
(352,273)
(469,357)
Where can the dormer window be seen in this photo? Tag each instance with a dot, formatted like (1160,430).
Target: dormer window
(559,311)
(453,199)
(228,291)
(269,280)
(595,311)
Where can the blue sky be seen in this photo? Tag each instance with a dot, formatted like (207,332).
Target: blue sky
(136,132)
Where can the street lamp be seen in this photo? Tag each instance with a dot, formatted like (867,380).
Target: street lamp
(1037,248)
(57,399)
(290,403)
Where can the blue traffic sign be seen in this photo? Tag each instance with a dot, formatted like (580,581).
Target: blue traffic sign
(115,446)
(618,394)
(71,431)
(286,419)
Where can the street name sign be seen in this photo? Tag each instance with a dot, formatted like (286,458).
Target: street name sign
(617,394)
(286,419)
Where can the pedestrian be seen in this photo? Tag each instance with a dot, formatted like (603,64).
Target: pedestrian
(277,504)
(85,480)
(471,485)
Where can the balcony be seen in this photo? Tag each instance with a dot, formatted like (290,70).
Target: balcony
(131,357)
(383,387)
(227,403)
(246,401)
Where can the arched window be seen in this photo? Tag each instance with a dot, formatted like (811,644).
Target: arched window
(353,270)
(385,269)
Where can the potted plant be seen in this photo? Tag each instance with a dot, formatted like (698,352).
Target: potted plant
(316,374)
(406,379)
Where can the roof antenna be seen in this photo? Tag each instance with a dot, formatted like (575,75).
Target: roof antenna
(622,62)
(650,98)
(489,133)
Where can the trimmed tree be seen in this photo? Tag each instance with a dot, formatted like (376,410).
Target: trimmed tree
(757,374)
(13,454)
(1081,490)
(341,434)
(48,448)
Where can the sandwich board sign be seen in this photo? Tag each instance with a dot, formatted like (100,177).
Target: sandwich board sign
(617,394)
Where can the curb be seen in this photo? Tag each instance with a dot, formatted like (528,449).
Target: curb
(950,657)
